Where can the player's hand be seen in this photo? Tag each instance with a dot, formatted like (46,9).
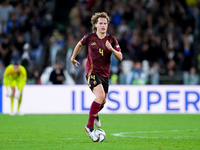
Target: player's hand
(75,63)
(109,46)
(17,95)
(8,94)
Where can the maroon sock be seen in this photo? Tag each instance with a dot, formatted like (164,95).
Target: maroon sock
(94,109)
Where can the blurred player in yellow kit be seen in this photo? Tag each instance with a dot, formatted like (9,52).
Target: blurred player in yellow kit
(15,75)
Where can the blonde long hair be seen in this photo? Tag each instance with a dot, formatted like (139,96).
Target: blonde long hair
(95,18)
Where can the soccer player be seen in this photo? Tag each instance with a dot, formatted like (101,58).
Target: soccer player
(100,48)
(15,75)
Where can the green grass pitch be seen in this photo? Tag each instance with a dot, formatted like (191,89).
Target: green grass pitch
(123,132)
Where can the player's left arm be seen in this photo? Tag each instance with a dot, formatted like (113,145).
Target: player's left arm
(23,74)
(117,54)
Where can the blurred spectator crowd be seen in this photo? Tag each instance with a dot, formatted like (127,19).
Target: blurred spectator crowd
(159,40)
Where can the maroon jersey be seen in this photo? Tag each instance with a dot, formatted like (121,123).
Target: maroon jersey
(98,59)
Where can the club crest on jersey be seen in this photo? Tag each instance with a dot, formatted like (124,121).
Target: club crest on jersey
(95,82)
(94,43)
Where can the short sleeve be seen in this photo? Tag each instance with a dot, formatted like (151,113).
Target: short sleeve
(116,44)
(23,73)
(7,71)
(84,40)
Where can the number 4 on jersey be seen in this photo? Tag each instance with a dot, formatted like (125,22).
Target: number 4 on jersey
(101,51)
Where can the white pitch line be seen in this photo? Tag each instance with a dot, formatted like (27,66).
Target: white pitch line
(125,134)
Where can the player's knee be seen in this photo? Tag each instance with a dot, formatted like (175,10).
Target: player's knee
(101,97)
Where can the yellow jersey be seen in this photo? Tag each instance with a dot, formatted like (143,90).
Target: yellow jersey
(10,74)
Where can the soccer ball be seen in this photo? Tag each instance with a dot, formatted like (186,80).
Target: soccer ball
(98,135)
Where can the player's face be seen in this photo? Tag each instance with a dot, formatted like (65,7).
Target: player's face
(101,25)
(16,68)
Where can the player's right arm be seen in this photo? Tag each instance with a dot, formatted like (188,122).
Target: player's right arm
(75,53)
(6,75)
(79,45)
